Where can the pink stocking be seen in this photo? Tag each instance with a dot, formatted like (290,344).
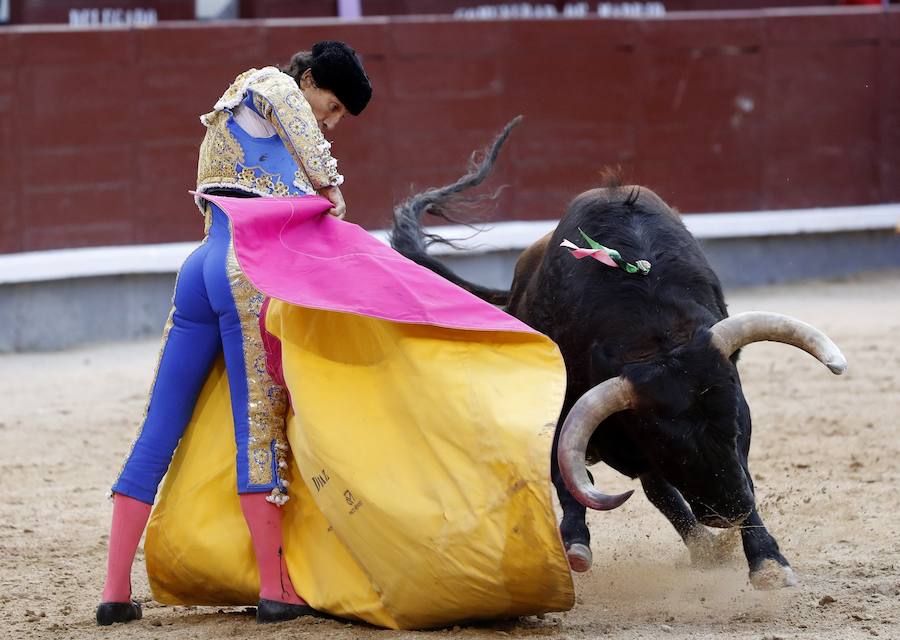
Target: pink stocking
(264,520)
(129,519)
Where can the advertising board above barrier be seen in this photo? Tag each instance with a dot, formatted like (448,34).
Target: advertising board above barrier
(505,9)
(96,13)
(83,13)
(112,17)
(568,10)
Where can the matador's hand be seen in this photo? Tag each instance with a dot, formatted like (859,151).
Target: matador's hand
(339,210)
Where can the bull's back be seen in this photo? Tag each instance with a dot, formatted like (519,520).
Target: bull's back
(568,297)
(527,267)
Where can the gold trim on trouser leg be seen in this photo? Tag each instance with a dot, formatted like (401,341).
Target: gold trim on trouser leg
(266,400)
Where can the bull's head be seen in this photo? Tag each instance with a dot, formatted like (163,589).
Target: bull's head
(694,435)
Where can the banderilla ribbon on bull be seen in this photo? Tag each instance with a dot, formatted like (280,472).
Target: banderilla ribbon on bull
(607,256)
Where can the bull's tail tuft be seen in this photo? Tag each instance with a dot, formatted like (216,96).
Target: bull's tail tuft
(409,238)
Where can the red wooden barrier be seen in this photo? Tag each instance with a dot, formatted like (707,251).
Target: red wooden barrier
(716,112)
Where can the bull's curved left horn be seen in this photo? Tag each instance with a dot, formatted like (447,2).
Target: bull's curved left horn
(732,333)
(595,406)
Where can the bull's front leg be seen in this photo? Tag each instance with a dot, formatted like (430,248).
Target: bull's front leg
(573,529)
(768,568)
(705,548)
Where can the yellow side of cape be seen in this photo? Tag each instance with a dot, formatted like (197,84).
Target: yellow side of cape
(420,491)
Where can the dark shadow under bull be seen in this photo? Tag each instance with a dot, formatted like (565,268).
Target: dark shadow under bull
(653,388)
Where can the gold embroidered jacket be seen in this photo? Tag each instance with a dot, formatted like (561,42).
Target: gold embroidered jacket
(296,161)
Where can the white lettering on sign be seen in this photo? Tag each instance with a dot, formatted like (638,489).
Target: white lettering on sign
(112,17)
(570,10)
(631,9)
(507,11)
(576,9)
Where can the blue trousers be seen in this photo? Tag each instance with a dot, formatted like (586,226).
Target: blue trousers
(214,309)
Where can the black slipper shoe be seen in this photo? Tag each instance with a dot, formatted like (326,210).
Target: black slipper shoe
(275,611)
(110,612)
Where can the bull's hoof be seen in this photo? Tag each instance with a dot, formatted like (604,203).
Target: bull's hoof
(771,575)
(711,550)
(580,557)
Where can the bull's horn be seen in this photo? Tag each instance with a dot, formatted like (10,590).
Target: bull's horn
(607,398)
(732,333)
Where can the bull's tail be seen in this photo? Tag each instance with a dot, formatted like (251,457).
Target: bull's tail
(410,239)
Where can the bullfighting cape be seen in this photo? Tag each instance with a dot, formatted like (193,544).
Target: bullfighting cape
(420,424)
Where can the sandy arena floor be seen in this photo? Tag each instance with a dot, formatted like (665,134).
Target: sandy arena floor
(825,459)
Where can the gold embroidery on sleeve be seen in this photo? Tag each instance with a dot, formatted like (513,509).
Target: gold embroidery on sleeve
(279,99)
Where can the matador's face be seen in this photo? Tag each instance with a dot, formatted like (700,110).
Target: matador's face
(325,105)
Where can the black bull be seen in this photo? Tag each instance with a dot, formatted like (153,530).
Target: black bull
(653,388)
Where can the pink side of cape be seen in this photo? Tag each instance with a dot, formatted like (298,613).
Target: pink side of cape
(291,251)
